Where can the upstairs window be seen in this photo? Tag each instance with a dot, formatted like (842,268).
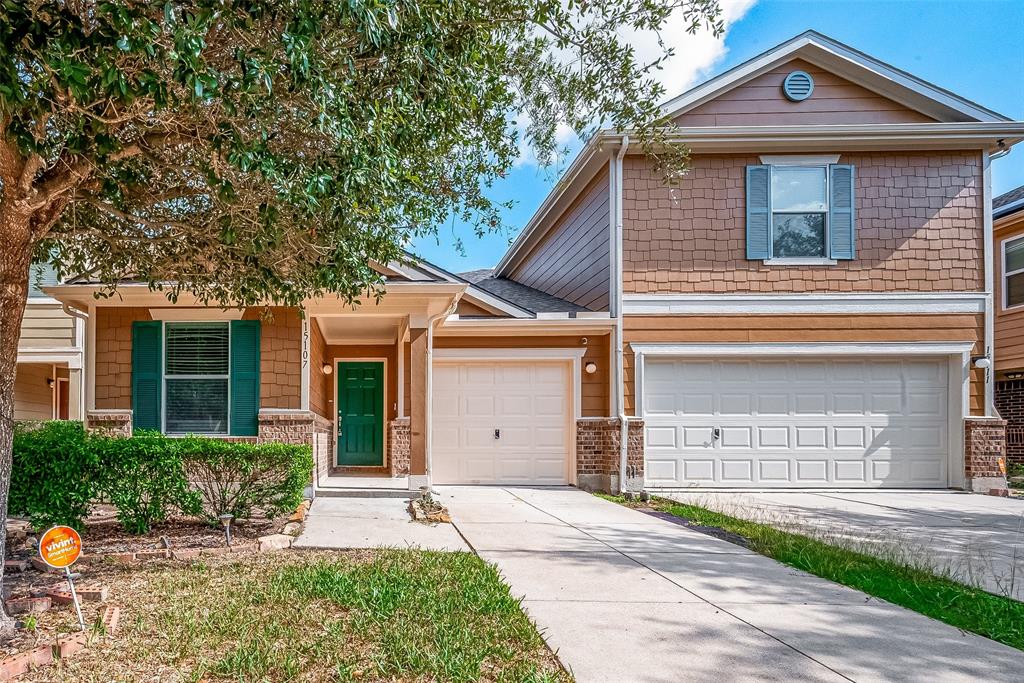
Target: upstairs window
(1013,272)
(800,213)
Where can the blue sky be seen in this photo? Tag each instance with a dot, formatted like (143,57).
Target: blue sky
(973,47)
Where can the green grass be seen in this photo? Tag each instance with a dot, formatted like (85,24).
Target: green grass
(941,598)
(369,616)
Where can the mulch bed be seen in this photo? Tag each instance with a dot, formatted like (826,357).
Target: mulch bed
(104,540)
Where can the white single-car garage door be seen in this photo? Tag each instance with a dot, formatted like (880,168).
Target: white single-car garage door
(801,422)
(501,422)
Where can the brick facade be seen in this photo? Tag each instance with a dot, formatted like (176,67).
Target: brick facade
(399,443)
(110,423)
(597,454)
(300,427)
(919,228)
(984,454)
(1010,404)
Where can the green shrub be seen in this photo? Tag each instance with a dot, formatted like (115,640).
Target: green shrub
(144,479)
(236,478)
(55,475)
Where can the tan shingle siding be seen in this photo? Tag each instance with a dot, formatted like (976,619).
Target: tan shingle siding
(919,228)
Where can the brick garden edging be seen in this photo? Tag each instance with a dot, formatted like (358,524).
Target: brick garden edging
(62,647)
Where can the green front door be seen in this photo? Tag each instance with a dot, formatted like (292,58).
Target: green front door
(360,413)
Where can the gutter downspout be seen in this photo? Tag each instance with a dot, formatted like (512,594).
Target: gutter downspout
(986,206)
(620,387)
(427,423)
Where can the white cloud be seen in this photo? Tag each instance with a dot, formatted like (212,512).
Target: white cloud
(695,56)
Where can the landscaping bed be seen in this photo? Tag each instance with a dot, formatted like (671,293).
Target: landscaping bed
(394,615)
(936,596)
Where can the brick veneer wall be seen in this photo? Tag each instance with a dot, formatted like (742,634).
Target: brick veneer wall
(110,423)
(300,427)
(597,454)
(919,228)
(1010,404)
(984,453)
(399,444)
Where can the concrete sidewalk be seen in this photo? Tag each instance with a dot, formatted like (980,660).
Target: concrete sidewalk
(623,596)
(342,523)
(978,539)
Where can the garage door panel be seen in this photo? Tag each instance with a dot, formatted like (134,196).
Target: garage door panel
(528,402)
(796,422)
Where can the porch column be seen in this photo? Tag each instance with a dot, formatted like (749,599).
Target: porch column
(75,394)
(418,406)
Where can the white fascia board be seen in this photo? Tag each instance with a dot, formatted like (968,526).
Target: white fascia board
(767,304)
(844,61)
(807,349)
(842,137)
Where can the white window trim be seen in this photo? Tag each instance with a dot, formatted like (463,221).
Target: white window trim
(800,261)
(801,162)
(1005,275)
(164,378)
(195,315)
(957,353)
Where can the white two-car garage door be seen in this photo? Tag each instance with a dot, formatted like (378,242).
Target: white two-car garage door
(801,422)
(501,422)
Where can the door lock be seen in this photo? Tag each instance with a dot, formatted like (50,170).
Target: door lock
(497,433)
(716,434)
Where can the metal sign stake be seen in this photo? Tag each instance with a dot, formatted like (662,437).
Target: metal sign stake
(74,597)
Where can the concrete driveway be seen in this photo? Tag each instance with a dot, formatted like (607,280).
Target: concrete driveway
(978,539)
(623,596)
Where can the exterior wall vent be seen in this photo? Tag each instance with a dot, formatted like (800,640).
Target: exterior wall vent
(798,86)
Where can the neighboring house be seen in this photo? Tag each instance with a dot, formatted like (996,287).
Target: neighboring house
(48,383)
(1008,225)
(810,306)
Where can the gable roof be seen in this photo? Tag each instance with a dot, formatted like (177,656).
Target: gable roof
(1008,203)
(521,295)
(851,64)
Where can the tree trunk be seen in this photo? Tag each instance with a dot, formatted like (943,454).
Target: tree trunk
(15,260)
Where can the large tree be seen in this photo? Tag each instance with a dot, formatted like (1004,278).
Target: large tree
(267,150)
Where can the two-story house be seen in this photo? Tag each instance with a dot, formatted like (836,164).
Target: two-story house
(809,306)
(1008,227)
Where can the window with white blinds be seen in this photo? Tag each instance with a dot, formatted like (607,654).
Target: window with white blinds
(1013,272)
(196,377)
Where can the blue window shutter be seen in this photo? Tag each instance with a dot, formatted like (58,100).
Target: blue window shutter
(245,377)
(841,220)
(147,373)
(759,212)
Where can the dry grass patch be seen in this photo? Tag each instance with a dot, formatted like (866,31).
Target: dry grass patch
(386,615)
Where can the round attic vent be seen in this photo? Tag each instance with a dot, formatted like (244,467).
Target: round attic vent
(798,86)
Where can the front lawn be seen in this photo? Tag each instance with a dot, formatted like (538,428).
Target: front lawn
(965,607)
(394,615)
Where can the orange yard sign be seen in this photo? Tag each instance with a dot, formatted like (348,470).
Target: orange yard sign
(60,547)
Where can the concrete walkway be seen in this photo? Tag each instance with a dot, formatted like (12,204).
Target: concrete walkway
(623,596)
(344,523)
(979,539)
